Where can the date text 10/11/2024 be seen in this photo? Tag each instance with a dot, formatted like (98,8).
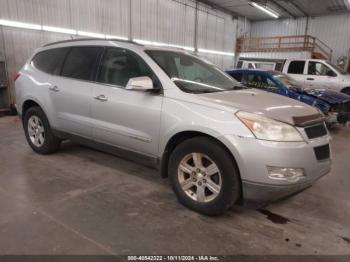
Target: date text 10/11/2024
(173,258)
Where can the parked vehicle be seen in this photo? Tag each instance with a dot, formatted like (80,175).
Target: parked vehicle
(261,63)
(218,141)
(312,72)
(335,105)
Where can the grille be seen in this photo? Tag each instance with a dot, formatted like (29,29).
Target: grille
(322,152)
(316,131)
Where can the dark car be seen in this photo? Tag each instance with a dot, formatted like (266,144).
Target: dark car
(335,105)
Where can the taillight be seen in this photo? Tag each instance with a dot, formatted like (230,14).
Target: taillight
(16,76)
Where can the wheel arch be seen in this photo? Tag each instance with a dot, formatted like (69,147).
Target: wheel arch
(346,90)
(182,136)
(28,104)
(31,102)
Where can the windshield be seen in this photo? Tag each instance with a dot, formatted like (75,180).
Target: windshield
(338,69)
(191,74)
(285,79)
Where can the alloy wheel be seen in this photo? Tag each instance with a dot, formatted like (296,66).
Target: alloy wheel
(36,131)
(199,177)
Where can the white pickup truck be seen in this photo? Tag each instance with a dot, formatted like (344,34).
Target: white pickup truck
(312,72)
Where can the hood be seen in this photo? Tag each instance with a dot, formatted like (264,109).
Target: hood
(270,105)
(331,97)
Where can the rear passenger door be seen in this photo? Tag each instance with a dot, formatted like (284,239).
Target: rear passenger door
(71,93)
(127,119)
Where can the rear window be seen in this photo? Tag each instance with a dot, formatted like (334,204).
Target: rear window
(81,62)
(296,67)
(50,61)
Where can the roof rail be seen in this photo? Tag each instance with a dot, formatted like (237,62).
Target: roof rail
(91,39)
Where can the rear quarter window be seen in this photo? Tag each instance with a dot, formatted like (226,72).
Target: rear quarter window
(50,61)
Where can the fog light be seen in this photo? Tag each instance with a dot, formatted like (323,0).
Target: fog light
(286,174)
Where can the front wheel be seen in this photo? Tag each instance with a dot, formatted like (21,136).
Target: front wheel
(38,132)
(204,176)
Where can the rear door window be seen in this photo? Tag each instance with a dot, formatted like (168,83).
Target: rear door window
(296,67)
(50,61)
(81,62)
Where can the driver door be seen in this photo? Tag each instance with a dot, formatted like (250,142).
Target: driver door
(320,75)
(124,118)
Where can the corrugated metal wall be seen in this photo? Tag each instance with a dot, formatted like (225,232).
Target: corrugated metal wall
(168,21)
(216,31)
(278,27)
(333,30)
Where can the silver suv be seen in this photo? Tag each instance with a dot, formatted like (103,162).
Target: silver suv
(218,141)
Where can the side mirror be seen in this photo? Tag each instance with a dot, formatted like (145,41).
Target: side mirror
(143,83)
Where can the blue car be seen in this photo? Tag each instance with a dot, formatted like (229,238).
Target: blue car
(335,106)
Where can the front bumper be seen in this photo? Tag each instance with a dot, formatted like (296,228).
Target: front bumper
(254,156)
(255,193)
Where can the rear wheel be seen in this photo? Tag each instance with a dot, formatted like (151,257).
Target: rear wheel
(204,176)
(38,132)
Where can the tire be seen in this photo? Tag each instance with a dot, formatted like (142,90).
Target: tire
(41,138)
(227,186)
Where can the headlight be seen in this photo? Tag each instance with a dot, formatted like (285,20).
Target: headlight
(268,129)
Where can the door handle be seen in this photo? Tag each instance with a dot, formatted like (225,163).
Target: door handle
(54,88)
(310,78)
(101,98)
